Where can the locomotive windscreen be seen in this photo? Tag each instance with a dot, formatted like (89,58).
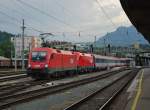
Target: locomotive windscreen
(38,56)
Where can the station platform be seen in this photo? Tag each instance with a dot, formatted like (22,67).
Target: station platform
(139,92)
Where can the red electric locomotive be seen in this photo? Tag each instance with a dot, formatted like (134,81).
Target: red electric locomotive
(86,62)
(48,61)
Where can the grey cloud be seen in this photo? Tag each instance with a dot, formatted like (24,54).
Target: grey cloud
(79,14)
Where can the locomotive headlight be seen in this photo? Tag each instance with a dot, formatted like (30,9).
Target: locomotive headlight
(46,66)
(29,66)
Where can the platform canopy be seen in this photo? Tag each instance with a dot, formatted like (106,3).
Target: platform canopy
(138,12)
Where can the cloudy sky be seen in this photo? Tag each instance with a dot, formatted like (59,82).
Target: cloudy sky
(76,20)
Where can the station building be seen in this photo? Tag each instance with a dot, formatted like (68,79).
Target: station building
(29,43)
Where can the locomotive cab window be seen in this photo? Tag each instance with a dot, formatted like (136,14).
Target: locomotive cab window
(39,56)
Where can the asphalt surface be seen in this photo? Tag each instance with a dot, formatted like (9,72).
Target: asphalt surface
(139,94)
(144,101)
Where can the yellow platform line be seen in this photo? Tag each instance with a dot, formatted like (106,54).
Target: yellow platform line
(139,90)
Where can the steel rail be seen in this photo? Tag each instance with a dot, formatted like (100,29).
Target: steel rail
(8,90)
(87,98)
(9,73)
(7,101)
(110,100)
(12,77)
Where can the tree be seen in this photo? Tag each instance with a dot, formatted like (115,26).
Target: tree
(6,47)
(1,52)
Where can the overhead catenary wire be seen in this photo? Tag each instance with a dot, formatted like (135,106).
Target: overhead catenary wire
(45,13)
(70,13)
(9,22)
(67,11)
(19,21)
(12,18)
(108,17)
(31,28)
(104,12)
(23,8)
(27,14)
(21,12)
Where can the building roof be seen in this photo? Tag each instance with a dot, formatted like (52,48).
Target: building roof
(138,11)
(4,58)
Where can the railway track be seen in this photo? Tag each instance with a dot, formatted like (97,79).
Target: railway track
(8,100)
(10,84)
(13,88)
(9,73)
(12,77)
(100,99)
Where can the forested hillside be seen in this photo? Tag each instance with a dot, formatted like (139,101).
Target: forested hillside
(6,47)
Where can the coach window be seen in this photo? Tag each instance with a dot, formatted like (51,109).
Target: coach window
(103,60)
(97,60)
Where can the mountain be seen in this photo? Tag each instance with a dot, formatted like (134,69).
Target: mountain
(123,36)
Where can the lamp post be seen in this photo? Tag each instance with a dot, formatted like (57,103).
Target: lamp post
(22,54)
(15,54)
(104,46)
